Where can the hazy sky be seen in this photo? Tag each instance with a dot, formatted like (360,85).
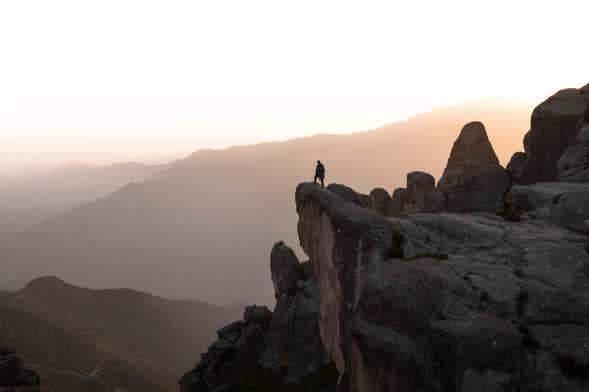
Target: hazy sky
(100,81)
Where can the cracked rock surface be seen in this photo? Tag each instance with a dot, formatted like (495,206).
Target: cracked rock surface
(279,351)
(442,302)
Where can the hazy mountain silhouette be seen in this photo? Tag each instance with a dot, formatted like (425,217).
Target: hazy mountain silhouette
(203,227)
(31,198)
(81,339)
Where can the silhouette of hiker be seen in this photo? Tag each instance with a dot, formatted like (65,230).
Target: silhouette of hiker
(320,173)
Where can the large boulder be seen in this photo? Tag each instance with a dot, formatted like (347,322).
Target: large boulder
(447,302)
(279,351)
(473,179)
(555,147)
(573,164)
(285,269)
(396,206)
(14,376)
(420,195)
(562,203)
(380,200)
(418,185)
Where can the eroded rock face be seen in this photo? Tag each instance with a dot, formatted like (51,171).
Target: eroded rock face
(562,203)
(420,195)
(396,207)
(473,179)
(447,302)
(380,200)
(556,145)
(14,376)
(285,269)
(280,351)
(418,186)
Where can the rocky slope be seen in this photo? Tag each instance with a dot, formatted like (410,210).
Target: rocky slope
(474,285)
(14,376)
(280,351)
(106,340)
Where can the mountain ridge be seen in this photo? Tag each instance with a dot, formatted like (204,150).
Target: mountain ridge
(78,338)
(235,196)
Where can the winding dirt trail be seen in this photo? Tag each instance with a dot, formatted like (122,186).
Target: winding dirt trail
(99,366)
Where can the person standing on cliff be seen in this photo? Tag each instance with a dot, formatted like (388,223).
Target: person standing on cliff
(320,173)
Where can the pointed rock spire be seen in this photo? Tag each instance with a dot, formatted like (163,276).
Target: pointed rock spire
(473,179)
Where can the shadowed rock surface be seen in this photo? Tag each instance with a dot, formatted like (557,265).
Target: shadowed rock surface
(14,376)
(565,204)
(473,179)
(439,302)
(285,269)
(418,185)
(420,195)
(380,200)
(280,351)
(556,145)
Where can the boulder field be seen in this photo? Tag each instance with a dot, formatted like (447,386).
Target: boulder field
(478,283)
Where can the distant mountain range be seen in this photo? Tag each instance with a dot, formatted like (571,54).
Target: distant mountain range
(29,199)
(78,339)
(203,227)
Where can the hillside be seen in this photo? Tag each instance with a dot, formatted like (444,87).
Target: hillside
(29,199)
(106,339)
(207,222)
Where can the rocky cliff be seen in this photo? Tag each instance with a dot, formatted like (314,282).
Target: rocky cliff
(480,283)
(14,376)
(280,351)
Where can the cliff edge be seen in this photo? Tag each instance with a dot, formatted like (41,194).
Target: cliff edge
(480,283)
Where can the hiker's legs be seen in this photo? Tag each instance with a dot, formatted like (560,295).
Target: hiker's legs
(315,180)
(322,183)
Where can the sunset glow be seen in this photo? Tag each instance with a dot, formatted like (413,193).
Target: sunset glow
(120,80)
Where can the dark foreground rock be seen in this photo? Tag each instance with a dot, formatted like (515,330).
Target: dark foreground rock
(447,302)
(14,376)
(562,203)
(556,145)
(280,351)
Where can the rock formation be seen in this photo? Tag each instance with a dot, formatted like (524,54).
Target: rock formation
(562,203)
(14,376)
(285,269)
(458,301)
(280,351)
(380,200)
(420,195)
(447,302)
(396,207)
(473,179)
(555,147)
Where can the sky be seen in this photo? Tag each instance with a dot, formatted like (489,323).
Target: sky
(105,81)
